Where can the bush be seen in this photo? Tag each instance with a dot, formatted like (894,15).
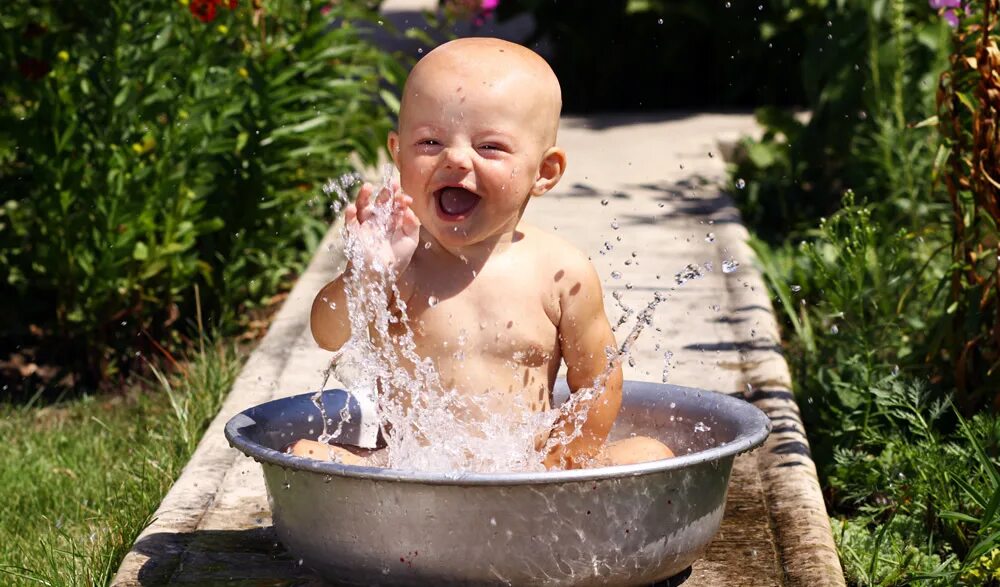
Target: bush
(150,146)
(654,54)
(890,306)
(870,80)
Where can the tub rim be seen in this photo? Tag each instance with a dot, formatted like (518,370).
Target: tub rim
(753,427)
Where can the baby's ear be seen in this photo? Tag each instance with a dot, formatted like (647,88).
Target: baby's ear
(393,145)
(550,171)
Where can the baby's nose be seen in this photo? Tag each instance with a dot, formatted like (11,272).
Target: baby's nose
(457,158)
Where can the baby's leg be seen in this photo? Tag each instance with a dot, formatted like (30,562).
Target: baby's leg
(629,451)
(341,454)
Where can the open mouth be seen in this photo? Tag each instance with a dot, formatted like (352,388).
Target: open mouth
(455,203)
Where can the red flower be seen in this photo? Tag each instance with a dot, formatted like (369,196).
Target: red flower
(203,10)
(34,30)
(33,69)
(231,4)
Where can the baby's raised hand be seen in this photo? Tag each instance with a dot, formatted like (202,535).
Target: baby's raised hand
(386,225)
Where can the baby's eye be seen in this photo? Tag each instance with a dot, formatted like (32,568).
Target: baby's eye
(428,142)
(491,147)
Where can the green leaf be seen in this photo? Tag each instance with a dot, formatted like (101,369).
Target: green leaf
(762,155)
(241,141)
(121,96)
(390,100)
(140,252)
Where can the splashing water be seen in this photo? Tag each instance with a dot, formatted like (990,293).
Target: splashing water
(689,272)
(427,425)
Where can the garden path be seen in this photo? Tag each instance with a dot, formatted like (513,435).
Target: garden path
(661,176)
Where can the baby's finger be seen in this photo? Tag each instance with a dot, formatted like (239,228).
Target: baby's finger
(364,196)
(401,202)
(350,214)
(384,195)
(409,223)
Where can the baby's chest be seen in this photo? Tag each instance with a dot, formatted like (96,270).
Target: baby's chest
(501,320)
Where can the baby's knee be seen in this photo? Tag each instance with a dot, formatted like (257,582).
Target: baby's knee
(312,449)
(638,449)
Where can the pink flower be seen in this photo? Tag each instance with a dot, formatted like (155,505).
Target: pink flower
(949,10)
(489,5)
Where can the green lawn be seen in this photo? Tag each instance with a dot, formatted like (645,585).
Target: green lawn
(81,479)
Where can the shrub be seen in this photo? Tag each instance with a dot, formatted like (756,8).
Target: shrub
(654,54)
(968,103)
(869,80)
(900,289)
(148,146)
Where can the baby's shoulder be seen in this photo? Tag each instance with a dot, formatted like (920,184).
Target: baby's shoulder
(567,266)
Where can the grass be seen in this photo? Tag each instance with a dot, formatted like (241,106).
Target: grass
(81,479)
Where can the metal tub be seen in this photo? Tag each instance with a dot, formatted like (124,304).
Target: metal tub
(623,525)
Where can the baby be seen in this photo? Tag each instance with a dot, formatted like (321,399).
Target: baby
(476,141)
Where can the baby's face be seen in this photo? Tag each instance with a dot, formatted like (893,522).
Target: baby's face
(471,148)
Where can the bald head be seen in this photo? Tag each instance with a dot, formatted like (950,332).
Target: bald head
(478,64)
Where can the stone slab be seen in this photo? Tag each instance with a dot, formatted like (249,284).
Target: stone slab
(660,176)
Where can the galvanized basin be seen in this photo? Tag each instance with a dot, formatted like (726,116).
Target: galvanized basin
(624,525)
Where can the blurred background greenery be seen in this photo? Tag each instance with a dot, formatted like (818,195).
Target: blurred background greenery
(150,146)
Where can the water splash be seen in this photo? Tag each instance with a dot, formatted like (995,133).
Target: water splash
(426,425)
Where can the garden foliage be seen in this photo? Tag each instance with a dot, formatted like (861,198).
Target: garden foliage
(147,146)
(968,103)
(654,54)
(883,293)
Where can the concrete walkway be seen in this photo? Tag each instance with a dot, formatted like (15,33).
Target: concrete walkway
(659,176)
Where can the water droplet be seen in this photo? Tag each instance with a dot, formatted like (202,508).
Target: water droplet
(741,183)
(432,301)
(796,288)
(715,308)
(730,265)
(427,245)
(834,329)
(690,271)
(729,4)
(604,202)
(710,237)
(614,224)
(616,275)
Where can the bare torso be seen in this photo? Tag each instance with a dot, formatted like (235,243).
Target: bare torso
(491,329)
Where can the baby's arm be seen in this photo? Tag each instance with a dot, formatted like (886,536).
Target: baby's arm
(393,246)
(584,337)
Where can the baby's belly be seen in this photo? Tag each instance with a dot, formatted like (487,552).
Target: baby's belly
(496,385)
